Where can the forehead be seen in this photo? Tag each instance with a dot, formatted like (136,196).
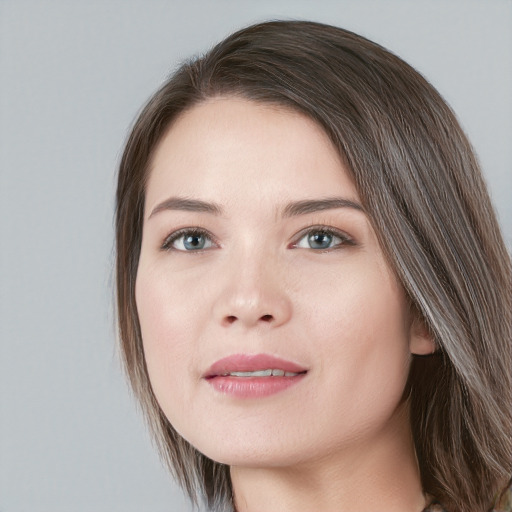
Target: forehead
(225,148)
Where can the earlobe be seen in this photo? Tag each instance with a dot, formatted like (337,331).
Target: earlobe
(421,341)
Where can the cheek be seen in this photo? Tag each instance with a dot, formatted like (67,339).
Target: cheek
(168,317)
(169,305)
(363,305)
(358,323)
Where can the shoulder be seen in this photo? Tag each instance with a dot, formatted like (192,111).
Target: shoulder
(504,503)
(434,507)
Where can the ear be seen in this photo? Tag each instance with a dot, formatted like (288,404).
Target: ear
(421,340)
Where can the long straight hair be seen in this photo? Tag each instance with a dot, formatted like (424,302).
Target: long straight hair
(419,181)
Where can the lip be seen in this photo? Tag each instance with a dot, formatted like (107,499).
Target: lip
(251,363)
(252,387)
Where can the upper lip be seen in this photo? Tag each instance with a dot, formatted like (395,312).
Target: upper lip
(251,363)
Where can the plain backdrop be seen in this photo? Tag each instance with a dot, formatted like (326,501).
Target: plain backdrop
(73,76)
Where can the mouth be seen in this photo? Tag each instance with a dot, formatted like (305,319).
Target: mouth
(253,376)
(259,373)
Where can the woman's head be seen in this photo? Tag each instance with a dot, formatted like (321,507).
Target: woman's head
(255,243)
(416,199)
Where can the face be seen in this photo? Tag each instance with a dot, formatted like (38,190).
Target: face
(257,256)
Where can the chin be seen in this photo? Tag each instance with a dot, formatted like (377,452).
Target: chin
(251,453)
(250,457)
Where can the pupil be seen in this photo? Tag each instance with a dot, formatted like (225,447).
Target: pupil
(320,240)
(194,242)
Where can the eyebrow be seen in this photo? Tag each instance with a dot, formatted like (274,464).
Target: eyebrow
(290,210)
(315,205)
(187,205)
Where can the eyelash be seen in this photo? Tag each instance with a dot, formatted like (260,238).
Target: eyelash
(346,240)
(176,235)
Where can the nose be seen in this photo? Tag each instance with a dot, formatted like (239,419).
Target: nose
(253,293)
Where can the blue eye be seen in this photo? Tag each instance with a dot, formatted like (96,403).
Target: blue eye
(188,240)
(323,239)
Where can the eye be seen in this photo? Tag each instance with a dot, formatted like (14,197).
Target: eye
(188,240)
(323,239)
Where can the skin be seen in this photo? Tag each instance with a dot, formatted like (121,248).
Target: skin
(340,438)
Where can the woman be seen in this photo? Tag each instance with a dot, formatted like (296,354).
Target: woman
(313,292)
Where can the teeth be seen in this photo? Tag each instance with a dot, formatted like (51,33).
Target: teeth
(259,373)
(262,373)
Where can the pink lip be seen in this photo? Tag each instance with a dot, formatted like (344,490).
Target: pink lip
(252,387)
(251,363)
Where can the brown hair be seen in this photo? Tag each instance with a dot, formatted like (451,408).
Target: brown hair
(420,183)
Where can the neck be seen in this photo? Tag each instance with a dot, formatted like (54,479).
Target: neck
(377,473)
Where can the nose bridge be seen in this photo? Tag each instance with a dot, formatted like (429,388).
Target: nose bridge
(253,288)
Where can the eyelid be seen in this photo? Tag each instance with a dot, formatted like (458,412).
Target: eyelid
(346,239)
(196,230)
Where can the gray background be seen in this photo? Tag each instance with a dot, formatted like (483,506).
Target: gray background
(73,76)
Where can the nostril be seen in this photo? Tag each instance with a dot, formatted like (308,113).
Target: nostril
(231,319)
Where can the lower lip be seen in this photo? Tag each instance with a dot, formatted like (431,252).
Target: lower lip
(252,387)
